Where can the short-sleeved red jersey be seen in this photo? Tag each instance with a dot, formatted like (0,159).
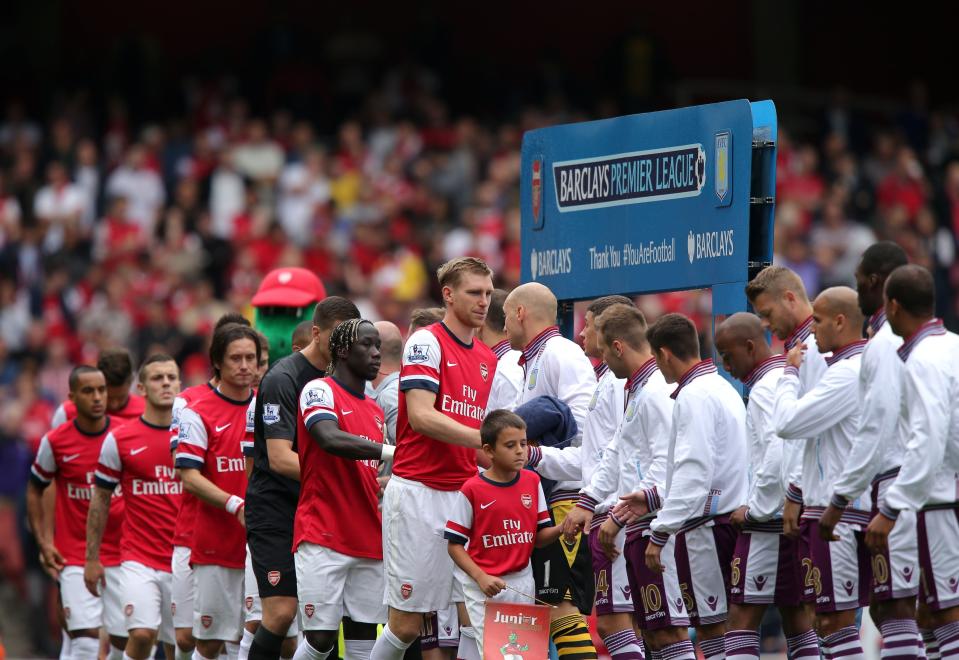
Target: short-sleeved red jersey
(70,455)
(338,506)
(186,515)
(212,431)
(500,521)
(137,457)
(460,375)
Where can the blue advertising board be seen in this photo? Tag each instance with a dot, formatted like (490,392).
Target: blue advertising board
(661,201)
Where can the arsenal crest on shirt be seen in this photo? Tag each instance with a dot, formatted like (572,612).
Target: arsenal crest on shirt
(526,499)
(484,371)
(273,577)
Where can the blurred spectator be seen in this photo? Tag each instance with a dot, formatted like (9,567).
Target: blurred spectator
(838,243)
(59,207)
(88,178)
(141,186)
(303,187)
(259,157)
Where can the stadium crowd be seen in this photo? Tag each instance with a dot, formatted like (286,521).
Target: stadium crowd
(115,233)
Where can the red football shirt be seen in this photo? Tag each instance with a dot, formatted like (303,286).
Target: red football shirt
(137,457)
(133,409)
(460,375)
(338,506)
(212,431)
(186,515)
(500,521)
(69,456)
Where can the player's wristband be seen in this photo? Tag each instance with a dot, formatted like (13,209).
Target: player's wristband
(616,521)
(387,452)
(233,504)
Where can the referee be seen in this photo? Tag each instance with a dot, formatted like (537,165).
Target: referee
(274,487)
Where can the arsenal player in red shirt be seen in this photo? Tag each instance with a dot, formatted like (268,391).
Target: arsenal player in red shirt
(210,457)
(69,455)
(444,387)
(136,456)
(339,559)
(122,406)
(183,582)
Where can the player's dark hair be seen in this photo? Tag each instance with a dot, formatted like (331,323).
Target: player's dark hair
(153,359)
(116,365)
(333,310)
(495,315)
(229,333)
(675,332)
(496,421)
(623,322)
(913,288)
(424,316)
(342,338)
(600,305)
(302,334)
(76,372)
(882,258)
(230,317)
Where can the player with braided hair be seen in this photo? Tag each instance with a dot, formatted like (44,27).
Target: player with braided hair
(339,558)
(342,339)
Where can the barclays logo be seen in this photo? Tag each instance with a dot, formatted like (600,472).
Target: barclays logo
(710,245)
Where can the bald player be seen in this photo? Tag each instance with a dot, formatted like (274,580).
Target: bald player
(876,456)
(556,366)
(385,387)
(927,481)
(779,298)
(836,577)
(765,566)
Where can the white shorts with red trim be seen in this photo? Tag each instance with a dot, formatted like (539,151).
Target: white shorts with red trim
(416,561)
(218,608)
(182,588)
(147,599)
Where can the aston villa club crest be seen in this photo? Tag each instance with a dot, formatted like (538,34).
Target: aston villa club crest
(536,189)
(273,577)
(722,169)
(484,371)
(526,499)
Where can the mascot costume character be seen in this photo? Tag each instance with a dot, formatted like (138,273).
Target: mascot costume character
(286,297)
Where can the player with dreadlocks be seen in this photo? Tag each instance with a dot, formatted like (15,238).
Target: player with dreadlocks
(339,557)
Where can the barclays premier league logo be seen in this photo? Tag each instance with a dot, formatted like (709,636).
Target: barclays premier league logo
(271,413)
(316,397)
(418,353)
(532,264)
